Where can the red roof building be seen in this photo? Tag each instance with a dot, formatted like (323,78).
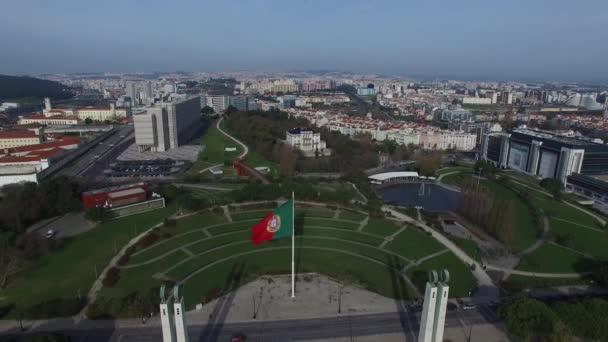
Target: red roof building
(115,196)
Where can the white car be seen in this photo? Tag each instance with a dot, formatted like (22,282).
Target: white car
(469,307)
(50,233)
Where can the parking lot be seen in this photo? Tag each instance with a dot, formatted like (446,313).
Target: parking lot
(155,168)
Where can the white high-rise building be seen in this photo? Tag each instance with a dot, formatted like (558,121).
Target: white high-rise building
(168,125)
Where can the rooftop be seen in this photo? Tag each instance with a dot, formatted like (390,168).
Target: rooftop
(389,175)
(17,134)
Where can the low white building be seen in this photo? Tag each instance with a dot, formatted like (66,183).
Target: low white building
(444,140)
(306,141)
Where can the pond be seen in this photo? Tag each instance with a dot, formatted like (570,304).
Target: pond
(431,197)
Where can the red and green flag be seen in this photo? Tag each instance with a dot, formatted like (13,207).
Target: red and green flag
(275,224)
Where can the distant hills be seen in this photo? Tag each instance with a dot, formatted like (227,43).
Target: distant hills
(21,87)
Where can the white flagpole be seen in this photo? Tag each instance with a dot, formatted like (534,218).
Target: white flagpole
(293,237)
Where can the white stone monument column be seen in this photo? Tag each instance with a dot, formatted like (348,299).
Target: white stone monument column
(179,314)
(166,317)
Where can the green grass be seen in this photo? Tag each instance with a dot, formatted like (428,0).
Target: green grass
(584,240)
(330,223)
(214,151)
(62,273)
(516,283)
(453,169)
(549,258)
(461,279)
(248,215)
(468,246)
(456,178)
(351,215)
(381,227)
(414,244)
(322,213)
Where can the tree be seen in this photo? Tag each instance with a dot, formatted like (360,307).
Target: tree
(207,110)
(486,167)
(230,110)
(11,262)
(533,320)
(288,161)
(88,121)
(553,186)
(428,162)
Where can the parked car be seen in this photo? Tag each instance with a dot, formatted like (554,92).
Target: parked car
(50,233)
(469,307)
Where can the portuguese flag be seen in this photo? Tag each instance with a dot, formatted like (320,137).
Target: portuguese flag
(275,225)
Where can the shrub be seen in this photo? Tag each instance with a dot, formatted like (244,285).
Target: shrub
(111,277)
(147,240)
(56,307)
(123,260)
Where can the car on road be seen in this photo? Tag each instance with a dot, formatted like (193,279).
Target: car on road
(469,307)
(50,233)
(238,338)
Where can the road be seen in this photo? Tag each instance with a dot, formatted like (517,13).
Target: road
(283,330)
(91,164)
(487,290)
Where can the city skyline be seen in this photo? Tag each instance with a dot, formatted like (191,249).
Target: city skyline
(477,40)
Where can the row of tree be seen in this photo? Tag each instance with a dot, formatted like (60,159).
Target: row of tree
(495,216)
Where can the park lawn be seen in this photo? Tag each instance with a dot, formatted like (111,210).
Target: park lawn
(414,244)
(351,215)
(211,197)
(232,227)
(220,240)
(381,227)
(254,159)
(550,258)
(310,212)
(453,169)
(335,192)
(166,246)
(467,245)
(139,279)
(553,208)
(461,279)
(214,150)
(344,235)
(249,215)
(196,221)
(64,272)
(516,283)
(319,222)
(583,239)
(345,268)
(456,178)
(302,244)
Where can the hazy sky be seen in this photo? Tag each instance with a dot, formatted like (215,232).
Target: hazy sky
(528,39)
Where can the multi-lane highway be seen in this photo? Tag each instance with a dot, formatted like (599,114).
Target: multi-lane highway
(92,163)
(405,323)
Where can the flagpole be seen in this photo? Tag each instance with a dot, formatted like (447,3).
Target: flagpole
(293,237)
